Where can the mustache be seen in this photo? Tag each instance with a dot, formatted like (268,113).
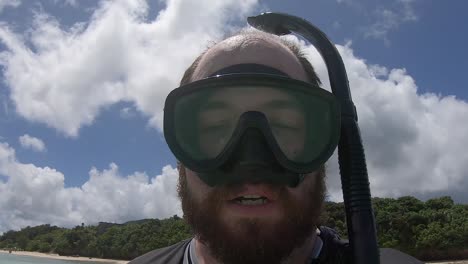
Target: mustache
(251,173)
(265,180)
(228,192)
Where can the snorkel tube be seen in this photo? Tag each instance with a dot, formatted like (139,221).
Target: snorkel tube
(352,162)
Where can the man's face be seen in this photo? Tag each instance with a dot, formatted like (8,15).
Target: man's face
(254,230)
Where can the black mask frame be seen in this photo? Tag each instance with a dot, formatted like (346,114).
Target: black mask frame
(262,149)
(354,179)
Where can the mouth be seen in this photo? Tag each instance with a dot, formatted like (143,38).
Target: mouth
(254,200)
(251,200)
(253,195)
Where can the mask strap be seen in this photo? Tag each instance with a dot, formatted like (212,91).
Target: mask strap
(248,68)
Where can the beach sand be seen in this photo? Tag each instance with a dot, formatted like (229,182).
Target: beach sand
(56,256)
(450,262)
(112,261)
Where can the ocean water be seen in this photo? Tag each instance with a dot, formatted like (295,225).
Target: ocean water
(6,258)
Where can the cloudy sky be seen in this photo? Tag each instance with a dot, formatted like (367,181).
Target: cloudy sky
(82,85)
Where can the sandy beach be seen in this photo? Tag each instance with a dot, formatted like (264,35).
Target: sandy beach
(113,261)
(56,256)
(450,262)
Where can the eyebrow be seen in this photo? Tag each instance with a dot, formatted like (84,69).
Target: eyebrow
(278,103)
(211,105)
(282,104)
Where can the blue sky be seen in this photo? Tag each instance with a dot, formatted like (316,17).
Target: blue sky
(83,84)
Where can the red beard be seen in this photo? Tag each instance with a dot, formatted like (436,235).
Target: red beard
(253,240)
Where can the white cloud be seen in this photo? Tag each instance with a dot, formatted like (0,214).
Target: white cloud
(127,112)
(336,25)
(382,17)
(33,143)
(72,3)
(9,3)
(414,143)
(66,76)
(5,108)
(34,195)
(344,1)
(389,19)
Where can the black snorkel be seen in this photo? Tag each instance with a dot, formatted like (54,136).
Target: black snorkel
(354,179)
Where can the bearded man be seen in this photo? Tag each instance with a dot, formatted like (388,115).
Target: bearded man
(263,213)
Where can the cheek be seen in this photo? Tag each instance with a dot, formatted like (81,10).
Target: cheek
(197,187)
(302,191)
(294,145)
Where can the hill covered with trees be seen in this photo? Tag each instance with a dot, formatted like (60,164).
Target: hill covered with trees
(431,230)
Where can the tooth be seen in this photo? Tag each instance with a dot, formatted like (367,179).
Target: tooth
(252,202)
(251,196)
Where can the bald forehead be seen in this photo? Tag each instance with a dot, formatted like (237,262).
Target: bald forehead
(241,49)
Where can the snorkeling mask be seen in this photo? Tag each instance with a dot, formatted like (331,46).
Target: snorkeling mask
(253,118)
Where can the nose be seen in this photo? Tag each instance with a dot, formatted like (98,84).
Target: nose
(252,160)
(253,150)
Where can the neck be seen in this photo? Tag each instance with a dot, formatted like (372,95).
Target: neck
(300,254)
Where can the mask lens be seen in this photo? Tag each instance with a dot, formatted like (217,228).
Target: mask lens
(300,121)
(319,121)
(203,127)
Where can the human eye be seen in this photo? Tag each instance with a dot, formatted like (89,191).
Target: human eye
(215,127)
(284,126)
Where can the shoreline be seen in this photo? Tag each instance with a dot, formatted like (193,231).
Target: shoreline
(56,256)
(449,262)
(116,261)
